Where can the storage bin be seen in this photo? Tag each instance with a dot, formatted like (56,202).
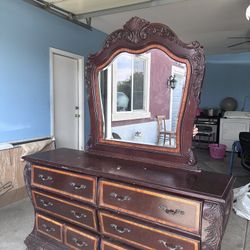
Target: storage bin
(217,151)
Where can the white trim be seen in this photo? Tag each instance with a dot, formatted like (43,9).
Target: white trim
(133,114)
(175,70)
(129,115)
(80,64)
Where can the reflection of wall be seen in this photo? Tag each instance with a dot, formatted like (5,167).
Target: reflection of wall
(159,92)
(159,99)
(127,132)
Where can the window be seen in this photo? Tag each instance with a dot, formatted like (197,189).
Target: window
(131,86)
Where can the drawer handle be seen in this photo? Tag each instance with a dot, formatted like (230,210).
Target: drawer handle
(46,203)
(44,178)
(79,243)
(120,198)
(170,247)
(78,215)
(77,186)
(48,229)
(120,230)
(171,211)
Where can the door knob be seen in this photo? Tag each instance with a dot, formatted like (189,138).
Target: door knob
(77,116)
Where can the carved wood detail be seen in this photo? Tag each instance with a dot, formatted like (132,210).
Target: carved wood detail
(35,241)
(212,229)
(27,178)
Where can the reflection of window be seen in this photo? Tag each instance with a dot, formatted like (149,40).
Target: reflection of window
(131,86)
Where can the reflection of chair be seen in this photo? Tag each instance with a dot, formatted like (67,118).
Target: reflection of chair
(162,130)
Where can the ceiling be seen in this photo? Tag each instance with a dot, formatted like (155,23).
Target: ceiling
(211,22)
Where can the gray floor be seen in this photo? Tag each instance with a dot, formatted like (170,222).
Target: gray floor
(237,235)
(16,220)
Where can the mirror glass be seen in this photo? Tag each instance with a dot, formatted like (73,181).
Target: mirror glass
(141,96)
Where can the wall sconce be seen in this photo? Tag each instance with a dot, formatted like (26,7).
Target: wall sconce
(171,81)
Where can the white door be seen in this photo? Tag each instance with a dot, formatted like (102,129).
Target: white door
(67,103)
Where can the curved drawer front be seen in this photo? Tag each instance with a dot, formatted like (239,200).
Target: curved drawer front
(142,236)
(76,239)
(80,187)
(49,227)
(158,207)
(107,245)
(81,215)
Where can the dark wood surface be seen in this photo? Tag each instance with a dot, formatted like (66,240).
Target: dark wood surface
(80,215)
(167,210)
(202,184)
(142,236)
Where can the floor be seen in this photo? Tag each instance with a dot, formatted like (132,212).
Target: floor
(16,220)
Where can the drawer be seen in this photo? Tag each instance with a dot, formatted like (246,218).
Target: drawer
(143,236)
(76,239)
(81,215)
(108,245)
(78,186)
(49,227)
(150,205)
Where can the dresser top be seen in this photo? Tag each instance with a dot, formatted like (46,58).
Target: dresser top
(204,185)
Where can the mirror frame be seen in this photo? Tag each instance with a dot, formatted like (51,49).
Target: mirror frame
(138,36)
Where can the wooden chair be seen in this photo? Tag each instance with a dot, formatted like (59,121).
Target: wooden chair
(162,130)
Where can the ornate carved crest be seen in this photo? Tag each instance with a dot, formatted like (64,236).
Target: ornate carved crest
(136,30)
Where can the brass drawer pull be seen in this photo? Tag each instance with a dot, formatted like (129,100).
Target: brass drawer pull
(77,186)
(79,243)
(120,230)
(48,229)
(44,178)
(171,211)
(46,203)
(170,246)
(120,198)
(78,215)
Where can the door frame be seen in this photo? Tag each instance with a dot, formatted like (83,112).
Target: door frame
(80,63)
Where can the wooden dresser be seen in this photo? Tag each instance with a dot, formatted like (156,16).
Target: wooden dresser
(92,202)
(132,189)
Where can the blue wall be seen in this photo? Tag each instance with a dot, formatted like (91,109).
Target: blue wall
(26,34)
(226,75)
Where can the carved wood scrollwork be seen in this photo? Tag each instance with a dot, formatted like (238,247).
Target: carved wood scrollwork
(136,30)
(27,178)
(212,228)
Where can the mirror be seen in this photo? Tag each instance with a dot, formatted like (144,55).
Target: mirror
(141,96)
(143,92)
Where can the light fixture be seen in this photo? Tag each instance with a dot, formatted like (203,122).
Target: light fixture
(248,13)
(171,81)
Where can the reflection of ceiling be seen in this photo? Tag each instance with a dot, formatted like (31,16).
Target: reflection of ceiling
(209,21)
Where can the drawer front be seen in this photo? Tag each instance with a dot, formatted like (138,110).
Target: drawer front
(76,239)
(49,227)
(81,215)
(80,187)
(158,207)
(142,236)
(108,245)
